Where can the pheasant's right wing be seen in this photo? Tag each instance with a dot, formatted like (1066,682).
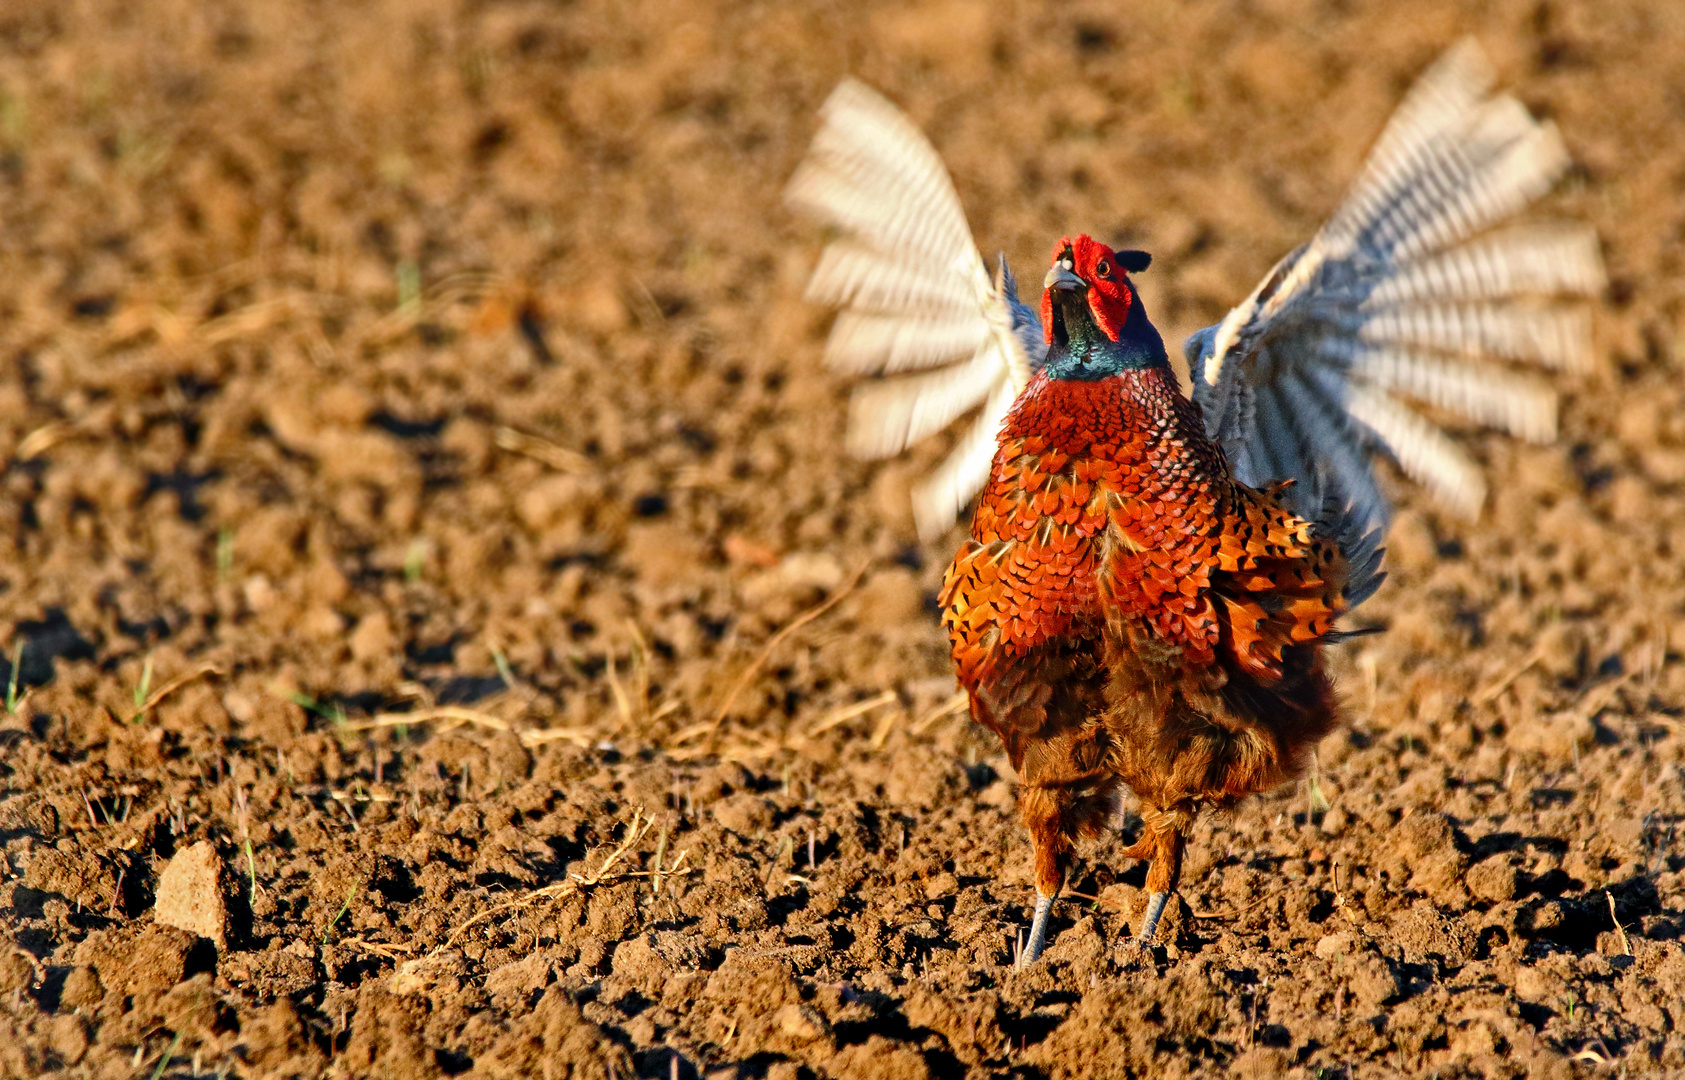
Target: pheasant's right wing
(1404,297)
(919,312)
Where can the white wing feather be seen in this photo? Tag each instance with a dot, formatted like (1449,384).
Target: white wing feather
(1407,296)
(915,296)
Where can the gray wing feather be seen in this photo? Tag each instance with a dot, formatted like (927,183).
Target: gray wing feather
(1026,321)
(1408,297)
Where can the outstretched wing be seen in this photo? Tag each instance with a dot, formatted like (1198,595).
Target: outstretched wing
(1405,297)
(919,311)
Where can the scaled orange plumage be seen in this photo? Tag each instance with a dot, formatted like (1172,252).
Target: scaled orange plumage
(1126,613)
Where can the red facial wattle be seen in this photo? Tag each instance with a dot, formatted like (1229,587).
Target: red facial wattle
(1109,294)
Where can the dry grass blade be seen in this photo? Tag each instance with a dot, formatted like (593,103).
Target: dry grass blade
(451,717)
(607,872)
(362,795)
(1626,946)
(1232,914)
(542,450)
(773,642)
(886,724)
(1489,694)
(175,684)
(386,949)
(632,696)
(849,712)
(693,731)
(577,736)
(1596,1057)
(44,438)
(431,304)
(622,703)
(955,704)
(251,320)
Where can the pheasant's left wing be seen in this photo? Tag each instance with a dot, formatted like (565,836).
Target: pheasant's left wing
(919,312)
(1405,297)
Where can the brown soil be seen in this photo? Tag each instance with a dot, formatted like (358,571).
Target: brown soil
(426,387)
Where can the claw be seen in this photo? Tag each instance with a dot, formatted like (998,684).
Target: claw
(1149,924)
(1038,932)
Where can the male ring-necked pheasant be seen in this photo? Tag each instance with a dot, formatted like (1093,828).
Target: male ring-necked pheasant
(1151,579)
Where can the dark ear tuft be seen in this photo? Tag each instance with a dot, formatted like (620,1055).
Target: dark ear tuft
(1134,261)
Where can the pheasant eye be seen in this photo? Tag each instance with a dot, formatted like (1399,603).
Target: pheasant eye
(1103,268)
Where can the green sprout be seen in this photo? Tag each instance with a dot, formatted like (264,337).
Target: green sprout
(409,287)
(333,714)
(143,691)
(415,561)
(14,119)
(224,554)
(164,1062)
(504,672)
(350,895)
(1318,801)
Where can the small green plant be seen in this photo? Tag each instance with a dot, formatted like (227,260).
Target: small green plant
(1318,801)
(504,672)
(350,895)
(224,555)
(14,120)
(415,561)
(333,713)
(408,277)
(12,699)
(164,1062)
(143,692)
(242,813)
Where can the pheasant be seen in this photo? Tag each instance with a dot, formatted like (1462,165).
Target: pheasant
(1153,578)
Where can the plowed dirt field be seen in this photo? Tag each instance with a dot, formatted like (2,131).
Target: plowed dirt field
(426,530)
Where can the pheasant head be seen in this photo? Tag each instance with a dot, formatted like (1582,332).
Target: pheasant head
(1091,315)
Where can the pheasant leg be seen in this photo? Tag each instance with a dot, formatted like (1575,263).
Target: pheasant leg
(1038,931)
(1162,877)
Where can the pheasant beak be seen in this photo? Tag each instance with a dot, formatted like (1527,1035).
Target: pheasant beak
(1063,277)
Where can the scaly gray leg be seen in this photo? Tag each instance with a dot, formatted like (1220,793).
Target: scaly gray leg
(1149,924)
(1038,932)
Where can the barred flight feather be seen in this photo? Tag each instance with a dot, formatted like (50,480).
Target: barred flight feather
(940,498)
(1516,403)
(1555,337)
(887,417)
(864,343)
(1542,260)
(1425,453)
(1341,451)
(859,278)
(915,296)
(1407,295)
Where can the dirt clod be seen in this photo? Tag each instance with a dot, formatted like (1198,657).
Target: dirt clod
(189,893)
